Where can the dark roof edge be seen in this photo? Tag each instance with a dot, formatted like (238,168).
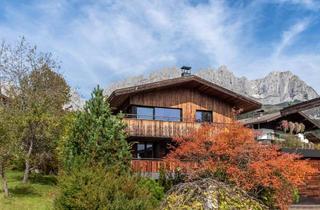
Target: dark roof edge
(302,106)
(306,153)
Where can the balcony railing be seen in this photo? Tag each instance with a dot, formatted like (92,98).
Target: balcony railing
(155,165)
(157,128)
(141,125)
(150,165)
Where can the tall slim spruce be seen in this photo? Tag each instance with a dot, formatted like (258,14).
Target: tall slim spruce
(98,136)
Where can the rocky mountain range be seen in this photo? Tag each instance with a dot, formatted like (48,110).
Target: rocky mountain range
(275,88)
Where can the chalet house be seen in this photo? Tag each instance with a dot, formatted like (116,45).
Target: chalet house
(159,111)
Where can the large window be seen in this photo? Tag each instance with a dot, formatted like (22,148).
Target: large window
(157,113)
(204,116)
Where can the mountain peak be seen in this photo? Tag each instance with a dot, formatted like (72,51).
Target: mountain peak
(277,87)
(280,73)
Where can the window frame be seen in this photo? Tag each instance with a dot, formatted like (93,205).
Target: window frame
(135,115)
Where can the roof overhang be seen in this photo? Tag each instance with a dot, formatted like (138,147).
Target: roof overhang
(313,103)
(119,96)
(279,116)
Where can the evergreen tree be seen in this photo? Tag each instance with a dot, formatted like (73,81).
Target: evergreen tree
(97,136)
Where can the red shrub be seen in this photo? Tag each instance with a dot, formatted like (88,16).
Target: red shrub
(233,151)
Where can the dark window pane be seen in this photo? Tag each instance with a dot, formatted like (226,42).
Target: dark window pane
(140,150)
(144,113)
(203,116)
(166,114)
(206,116)
(149,151)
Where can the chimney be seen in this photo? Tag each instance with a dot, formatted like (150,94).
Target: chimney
(185,71)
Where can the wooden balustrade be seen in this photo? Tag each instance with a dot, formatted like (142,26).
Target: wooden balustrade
(157,128)
(150,165)
(154,165)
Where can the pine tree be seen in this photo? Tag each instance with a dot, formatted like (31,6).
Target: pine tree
(98,136)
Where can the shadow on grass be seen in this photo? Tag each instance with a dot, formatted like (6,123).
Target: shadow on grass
(24,190)
(43,179)
(37,179)
(17,177)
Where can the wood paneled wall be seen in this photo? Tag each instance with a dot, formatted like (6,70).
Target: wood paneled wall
(189,100)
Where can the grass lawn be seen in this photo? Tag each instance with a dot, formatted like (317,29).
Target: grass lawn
(38,194)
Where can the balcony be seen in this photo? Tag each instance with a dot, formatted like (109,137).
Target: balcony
(157,128)
(168,127)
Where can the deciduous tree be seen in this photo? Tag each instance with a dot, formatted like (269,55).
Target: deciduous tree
(231,154)
(37,94)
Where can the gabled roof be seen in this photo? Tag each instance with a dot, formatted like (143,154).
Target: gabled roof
(119,96)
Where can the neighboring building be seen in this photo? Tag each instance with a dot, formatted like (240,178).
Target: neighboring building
(269,124)
(159,111)
(268,127)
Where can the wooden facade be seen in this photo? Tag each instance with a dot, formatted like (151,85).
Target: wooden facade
(188,100)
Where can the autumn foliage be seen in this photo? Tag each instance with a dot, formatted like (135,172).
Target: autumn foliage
(231,154)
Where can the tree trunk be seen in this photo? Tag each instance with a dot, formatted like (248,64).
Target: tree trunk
(27,164)
(4,180)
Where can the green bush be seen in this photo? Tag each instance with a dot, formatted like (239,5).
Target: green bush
(95,188)
(154,188)
(168,179)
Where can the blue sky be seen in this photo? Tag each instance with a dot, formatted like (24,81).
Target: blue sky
(101,41)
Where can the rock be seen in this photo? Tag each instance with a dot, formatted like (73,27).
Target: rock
(76,101)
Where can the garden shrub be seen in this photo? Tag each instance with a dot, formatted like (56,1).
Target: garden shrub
(86,187)
(153,187)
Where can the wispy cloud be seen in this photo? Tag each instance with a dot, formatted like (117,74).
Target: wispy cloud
(309,4)
(102,41)
(288,36)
